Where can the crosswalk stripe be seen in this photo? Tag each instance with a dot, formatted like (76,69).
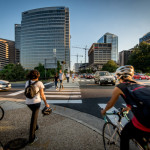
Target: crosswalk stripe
(66,90)
(48,83)
(113,118)
(64,101)
(61,92)
(68,86)
(64,96)
(16,93)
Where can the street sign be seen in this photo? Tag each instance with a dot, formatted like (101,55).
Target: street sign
(50,63)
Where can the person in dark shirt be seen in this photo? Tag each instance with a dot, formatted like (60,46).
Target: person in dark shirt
(56,81)
(133,129)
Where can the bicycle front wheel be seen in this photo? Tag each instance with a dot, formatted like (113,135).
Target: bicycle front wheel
(111,136)
(1,113)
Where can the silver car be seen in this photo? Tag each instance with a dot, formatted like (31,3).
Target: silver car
(104,77)
(4,85)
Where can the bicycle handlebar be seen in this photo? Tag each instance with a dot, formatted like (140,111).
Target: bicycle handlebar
(120,114)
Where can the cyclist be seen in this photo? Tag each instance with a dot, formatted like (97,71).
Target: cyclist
(134,129)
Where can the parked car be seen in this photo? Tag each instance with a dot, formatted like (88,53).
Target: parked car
(89,76)
(139,76)
(4,85)
(104,77)
(147,77)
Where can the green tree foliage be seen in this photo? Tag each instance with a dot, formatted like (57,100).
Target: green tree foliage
(13,72)
(140,57)
(110,66)
(47,73)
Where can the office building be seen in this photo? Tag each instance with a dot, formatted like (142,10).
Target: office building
(124,57)
(145,38)
(99,54)
(77,67)
(113,39)
(7,52)
(45,31)
(17,41)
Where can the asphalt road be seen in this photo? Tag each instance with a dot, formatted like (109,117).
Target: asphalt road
(92,96)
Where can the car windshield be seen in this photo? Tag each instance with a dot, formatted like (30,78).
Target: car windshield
(104,74)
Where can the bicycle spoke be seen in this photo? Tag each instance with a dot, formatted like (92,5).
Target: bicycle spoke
(111,138)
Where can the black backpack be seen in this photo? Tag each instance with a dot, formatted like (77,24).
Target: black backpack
(30,90)
(138,96)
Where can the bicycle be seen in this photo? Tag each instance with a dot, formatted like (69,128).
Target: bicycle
(111,132)
(1,113)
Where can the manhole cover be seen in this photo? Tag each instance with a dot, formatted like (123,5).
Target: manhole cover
(16,144)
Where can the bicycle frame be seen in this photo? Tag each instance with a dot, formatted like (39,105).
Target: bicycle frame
(119,126)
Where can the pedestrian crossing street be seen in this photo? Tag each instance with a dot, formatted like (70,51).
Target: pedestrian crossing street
(70,94)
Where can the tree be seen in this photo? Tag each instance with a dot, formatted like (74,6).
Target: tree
(110,66)
(48,73)
(140,57)
(13,72)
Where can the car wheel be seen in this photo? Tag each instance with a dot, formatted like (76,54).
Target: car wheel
(99,82)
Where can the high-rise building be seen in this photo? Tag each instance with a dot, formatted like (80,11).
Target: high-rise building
(99,54)
(17,41)
(111,38)
(145,38)
(124,56)
(7,52)
(45,31)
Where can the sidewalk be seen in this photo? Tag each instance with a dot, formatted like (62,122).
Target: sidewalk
(57,131)
(64,129)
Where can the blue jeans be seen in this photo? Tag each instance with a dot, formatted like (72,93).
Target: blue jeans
(56,82)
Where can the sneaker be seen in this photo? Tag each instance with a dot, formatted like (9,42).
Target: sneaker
(33,141)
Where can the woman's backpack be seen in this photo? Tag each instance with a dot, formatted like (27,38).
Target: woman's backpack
(30,90)
(138,96)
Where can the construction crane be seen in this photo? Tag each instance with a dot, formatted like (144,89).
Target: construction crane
(84,49)
(77,56)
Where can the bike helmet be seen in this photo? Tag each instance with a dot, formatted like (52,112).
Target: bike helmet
(46,110)
(125,71)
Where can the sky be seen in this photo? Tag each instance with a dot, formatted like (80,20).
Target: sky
(89,20)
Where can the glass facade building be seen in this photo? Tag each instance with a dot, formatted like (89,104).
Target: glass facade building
(113,39)
(145,38)
(17,41)
(42,31)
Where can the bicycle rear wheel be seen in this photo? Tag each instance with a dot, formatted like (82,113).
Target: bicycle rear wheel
(1,113)
(111,137)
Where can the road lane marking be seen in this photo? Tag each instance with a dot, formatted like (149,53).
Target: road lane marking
(16,93)
(66,90)
(113,118)
(68,86)
(48,83)
(61,92)
(64,101)
(64,96)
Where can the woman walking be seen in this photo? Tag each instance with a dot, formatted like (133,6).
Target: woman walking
(34,102)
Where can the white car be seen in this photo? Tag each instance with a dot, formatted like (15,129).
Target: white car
(104,77)
(4,85)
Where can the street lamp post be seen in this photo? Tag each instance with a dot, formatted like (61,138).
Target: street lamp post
(54,52)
